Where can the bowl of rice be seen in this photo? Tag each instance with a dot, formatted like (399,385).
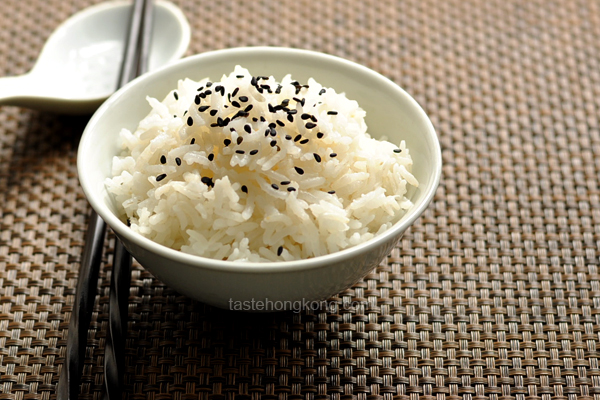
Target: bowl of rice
(260,178)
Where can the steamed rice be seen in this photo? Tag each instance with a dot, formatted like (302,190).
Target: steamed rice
(256,170)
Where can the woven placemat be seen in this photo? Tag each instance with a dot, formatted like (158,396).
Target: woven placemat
(493,293)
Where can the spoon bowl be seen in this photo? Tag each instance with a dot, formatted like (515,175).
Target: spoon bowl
(78,67)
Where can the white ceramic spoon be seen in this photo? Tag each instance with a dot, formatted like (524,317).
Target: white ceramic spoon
(79,65)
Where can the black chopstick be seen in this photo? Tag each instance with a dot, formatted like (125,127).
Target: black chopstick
(138,50)
(135,62)
(70,376)
(136,59)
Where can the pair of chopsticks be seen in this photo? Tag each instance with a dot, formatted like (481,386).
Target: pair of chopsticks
(135,63)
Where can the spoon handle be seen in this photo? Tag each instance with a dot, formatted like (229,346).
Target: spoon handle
(14,88)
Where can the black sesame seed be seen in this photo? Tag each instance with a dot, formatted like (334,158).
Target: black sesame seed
(332,112)
(310,125)
(214,124)
(279,250)
(305,116)
(320,135)
(219,121)
(278,90)
(235,91)
(304,141)
(209,84)
(267,132)
(226,121)
(254,119)
(313,118)
(161,177)
(299,170)
(275,186)
(332,155)
(213,112)
(322,91)
(197,99)
(273,132)
(203,108)
(218,88)
(331,192)
(211,157)
(243,98)
(240,151)
(298,137)
(284,183)
(253,81)
(226,142)
(273,143)
(291,189)
(292,111)
(280,123)
(271,108)
(207,92)
(288,137)
(207,181)
(178,161)
(239,140)
(244,189)
(253,152)
(176,95)
(193,141)
(235,104)
(200,88)
(397,150)
(239,76)
(272,125)
(250,106)
(247,128)
(285,102)
(190,121)
(163,159)
(290,117)
(317,157)
(240,113)
(262,119)
(185,112)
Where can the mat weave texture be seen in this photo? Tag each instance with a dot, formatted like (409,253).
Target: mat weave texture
(493,293)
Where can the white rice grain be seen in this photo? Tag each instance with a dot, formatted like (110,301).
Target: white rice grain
(252,169)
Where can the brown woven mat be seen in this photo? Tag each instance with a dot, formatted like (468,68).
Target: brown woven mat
(493,293)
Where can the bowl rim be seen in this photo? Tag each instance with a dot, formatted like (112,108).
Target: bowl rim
(121,229)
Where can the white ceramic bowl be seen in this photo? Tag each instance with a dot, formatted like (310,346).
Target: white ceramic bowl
(250,286)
